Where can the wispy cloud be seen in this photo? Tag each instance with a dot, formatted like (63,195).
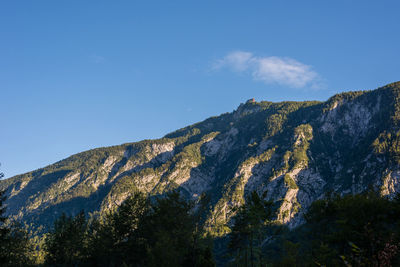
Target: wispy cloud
(283,71)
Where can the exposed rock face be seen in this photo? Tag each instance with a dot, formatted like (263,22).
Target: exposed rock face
(292,153)
(391,183)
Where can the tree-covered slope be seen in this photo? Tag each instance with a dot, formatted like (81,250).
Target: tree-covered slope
(290,152)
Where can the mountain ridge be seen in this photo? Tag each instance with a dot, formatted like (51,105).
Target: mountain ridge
(291,152)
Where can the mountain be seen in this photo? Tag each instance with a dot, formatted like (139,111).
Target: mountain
(292,153)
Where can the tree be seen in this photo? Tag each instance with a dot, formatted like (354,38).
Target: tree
(4,229)
(114,239)
(65,244)
(139,233)
(246,236)
(359,230)
(172,238)
(15,247)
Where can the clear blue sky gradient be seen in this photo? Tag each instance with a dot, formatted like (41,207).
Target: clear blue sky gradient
(76,75)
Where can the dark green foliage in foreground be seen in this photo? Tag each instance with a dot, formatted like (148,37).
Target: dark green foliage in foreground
(172,236)
(66,243)
(15,247)
(360,229)
(139,233)
(117,233)
(247,232)
(353,230)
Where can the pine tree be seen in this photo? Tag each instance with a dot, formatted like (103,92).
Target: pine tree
(15,247)
(4,229)
(246,236)
(65,244)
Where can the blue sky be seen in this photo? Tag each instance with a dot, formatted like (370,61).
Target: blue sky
(76,75)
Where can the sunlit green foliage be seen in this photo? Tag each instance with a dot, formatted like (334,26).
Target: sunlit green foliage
(388,145)
(290,182)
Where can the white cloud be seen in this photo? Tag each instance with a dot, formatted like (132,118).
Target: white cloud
(238,61)
(283,71)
